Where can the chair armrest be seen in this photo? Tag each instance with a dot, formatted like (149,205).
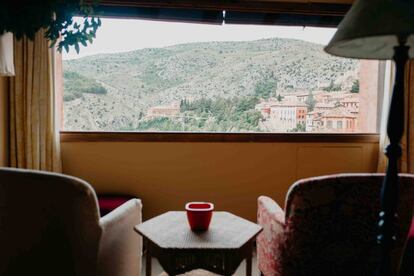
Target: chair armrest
(272,218)
(268,209)
(120,248)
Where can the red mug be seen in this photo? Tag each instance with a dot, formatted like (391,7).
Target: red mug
(199,215)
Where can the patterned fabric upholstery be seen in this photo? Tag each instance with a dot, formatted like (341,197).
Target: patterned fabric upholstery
(329,227)
(407,267)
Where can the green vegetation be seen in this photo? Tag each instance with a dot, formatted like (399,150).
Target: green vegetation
(265,89)
(333,87)
(75,85)
(164,124)
(310,101)
(299,128)
(220,114)
(151,79)
(279,98)
(355,87)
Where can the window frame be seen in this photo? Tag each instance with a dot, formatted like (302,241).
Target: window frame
(239,6)
(217,137)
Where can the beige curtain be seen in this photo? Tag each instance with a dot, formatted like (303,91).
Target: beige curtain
(34,135)
(388,86)
(407,142)
(6,55)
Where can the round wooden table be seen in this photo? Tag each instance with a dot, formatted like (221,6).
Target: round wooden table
(220,249)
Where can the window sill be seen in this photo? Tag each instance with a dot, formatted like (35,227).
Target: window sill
(81,136)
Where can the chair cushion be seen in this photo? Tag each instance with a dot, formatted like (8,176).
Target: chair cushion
(109,202)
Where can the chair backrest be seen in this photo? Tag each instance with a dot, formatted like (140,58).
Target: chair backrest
(332,225)
(49,224)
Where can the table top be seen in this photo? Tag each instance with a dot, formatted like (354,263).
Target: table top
(171,231)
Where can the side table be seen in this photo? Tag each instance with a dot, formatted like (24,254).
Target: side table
(221,249)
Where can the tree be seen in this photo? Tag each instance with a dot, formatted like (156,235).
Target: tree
(355,87)
(265,89)
(56,17)
(279,98)
(310,101)
(246,103)
(333,87)
(299,128)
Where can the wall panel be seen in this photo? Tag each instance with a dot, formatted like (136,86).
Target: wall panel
(165,175)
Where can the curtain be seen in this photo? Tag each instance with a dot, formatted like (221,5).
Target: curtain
(407,141)
(384,141)
(6,55)
(34,135)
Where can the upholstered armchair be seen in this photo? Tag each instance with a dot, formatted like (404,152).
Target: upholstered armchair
(329,227)
(50,225)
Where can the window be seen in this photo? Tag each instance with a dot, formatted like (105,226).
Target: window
(185,77)
(329,124)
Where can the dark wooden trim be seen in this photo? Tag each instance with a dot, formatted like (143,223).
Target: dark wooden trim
(74,136)
(335,9)
(282,19)
(162,14)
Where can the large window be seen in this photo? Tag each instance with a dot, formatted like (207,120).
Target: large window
(162,76)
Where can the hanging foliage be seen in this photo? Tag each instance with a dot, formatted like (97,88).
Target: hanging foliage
(56,16)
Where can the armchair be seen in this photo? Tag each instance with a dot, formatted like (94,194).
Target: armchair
(50,225)
(329,226)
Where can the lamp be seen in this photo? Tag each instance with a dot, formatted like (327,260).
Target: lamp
(382,29)
(6,55)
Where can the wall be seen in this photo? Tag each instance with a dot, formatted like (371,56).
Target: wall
(165,175)
(369,86)
(3,123)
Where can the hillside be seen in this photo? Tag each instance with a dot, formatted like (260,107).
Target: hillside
(76,85)
(137,80)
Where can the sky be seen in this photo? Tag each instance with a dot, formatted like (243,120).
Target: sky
(122,35)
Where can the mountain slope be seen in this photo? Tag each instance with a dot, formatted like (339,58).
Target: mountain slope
(140,79)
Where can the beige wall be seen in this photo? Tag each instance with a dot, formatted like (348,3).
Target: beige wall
(232,175)
(369,85)
(3,123)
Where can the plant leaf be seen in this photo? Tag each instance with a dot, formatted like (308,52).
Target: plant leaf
(77,47)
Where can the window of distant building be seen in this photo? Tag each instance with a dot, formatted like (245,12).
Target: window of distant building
(183,77)
(329,124)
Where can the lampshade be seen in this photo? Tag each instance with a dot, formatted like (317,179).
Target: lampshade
(6,55)
(371,28)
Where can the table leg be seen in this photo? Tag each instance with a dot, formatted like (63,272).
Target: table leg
(148,263)
(227,265)
(249,261)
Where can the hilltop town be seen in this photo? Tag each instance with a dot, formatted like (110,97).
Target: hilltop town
(316,111)
(327,112)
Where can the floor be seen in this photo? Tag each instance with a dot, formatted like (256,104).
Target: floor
(241,271)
